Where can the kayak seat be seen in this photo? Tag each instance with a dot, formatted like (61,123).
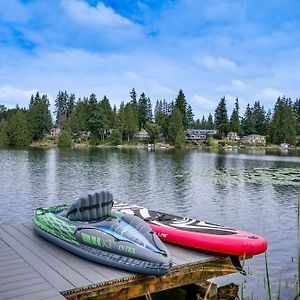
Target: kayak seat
(91,207)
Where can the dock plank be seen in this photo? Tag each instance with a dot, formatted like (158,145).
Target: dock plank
(22,291)
(59,266)
(33,268)
(54,278)
(18,277)
(21,283)
(93,271)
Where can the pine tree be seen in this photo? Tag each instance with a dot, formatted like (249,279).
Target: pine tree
(130,123)
(181,104)
(282,126)
(259,118)
(234,124)
(210,122)
(189,117)
(296,109)
(142,111)
(248,125)
(162,117)
(175,126)
(39,116)
(95,117)
(17,133)
(221,118)
(153,131)
(61,108)
(107,113)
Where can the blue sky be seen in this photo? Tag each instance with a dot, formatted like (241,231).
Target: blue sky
(248,49)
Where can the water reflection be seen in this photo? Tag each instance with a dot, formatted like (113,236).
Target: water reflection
(252,192)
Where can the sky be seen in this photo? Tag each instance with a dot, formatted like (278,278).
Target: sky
(210,49)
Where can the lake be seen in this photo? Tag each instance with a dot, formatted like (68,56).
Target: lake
(255,192)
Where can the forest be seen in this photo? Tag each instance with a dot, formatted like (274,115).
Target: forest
(167,121)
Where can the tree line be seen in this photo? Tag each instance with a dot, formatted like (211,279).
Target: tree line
(168,120)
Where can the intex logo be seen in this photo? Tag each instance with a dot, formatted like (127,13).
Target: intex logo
(162,235)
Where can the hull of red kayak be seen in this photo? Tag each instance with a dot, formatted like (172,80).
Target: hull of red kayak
(197,234)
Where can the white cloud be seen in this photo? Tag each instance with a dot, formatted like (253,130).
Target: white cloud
(235,86)
(203,103)
(11,96)
(215,63)
(239,85)
(269,94)
(100,15)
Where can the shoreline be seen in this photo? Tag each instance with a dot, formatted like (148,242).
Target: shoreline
(164,146)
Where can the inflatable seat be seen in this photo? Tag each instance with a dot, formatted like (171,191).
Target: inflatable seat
(91,207)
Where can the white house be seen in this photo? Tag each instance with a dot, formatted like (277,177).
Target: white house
(253,138)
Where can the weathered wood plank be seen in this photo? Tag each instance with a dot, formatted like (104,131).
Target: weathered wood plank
(49,294)
(8,256)
(65,271)
(141,285)
(86,268)
(54,278)
(21,283)
(15,271)
(3,244)
(18,277)
(21,265)
(16,293)
(13,261)
(187,254)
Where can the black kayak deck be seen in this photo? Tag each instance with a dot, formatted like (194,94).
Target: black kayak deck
(32,268)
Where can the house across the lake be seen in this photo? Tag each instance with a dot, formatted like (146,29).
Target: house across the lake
(253,139)
(141,135)
(55,132)
(233,136)
(199,135)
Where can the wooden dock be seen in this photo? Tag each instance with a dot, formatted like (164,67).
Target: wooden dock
(32,268)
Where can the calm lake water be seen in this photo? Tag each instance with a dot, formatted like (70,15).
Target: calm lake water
(255,192)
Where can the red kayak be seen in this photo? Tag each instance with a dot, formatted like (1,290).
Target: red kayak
(197,234)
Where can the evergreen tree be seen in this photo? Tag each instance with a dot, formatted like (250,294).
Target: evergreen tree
(197,124)
(175,126)
(203,124)
(116,137)
(234,124)
(3,111)
(181,104)
(161,116)
(78,120)
(95,120)
(248,124)
(210,122)
(3,133)
(108,114)
(282,126)
(149,117)
(70,105)
(153,131)
(296,109)
(142,111)
(65,139)
(17,133)
(61,108)
(189,117)
(116,121)
(39,116)
(259,119)
(221,118)
(129,122)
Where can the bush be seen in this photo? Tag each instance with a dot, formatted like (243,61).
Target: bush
(94,140)
(116,137)
(65,139)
